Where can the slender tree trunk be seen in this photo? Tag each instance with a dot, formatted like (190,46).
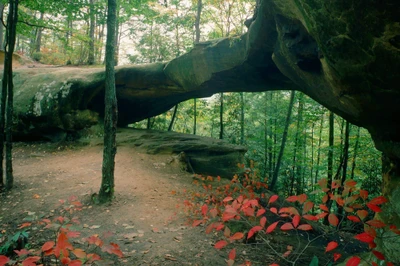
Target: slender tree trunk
(7,95)
(1,27)
(355,153)
(297,144)
(197,21)
(266,146)
(221,116)
(319,149)
(284,137)
(91,33)
(330,160)
(312,155)
(171,125)
(38,43)
(241,119)
(345,162)
(148,123)
(111,112)
(271,149)
(117,36)
(194,116)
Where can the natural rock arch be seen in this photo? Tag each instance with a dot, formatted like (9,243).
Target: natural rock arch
(343,54)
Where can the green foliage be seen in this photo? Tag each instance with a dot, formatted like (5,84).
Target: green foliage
(12,242)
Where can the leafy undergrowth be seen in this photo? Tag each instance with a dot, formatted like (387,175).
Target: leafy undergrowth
(257,227)
(64,245)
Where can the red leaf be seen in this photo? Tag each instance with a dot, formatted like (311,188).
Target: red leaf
(286,254)
(214,212)
(323,182)
(248,211)
(389,264)
(354,218)
(379,255)
(21,252)
(353,261)
(302,198)
(376,223)
(227,199)
(263,221)
(220,244)
(273,210)
(374,207)
(307,206)
(204,210)
(362,214)
(336,256)
(305,227)
(364,237)
(273,199)
(253,230)
(292,198)
(323,207)
(73,234)
(287,226)
(350,183)
(197,223)
(65,261)
(296,221)
(321,215)
(236,236)
(24,225)
(274,264)
(325,198)
(75,263)
(79,253)
(310,217)
(48,245)
(260,212)
(374,263)
(331,246)
(271,227)
(232,254)
(30,261)
(363,194)
(3,260)
(333,220)
(378,200)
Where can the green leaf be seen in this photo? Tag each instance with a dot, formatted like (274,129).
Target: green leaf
(314,261)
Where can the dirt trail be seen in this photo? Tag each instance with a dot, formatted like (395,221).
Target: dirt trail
(144,217)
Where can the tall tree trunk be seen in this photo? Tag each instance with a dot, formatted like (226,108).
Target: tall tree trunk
(345,161)
(197,21)
(117,36)
(319,149)
(171,124)
(91,33)
(272,137)
(284,137)
(38,43)
(1,27)
(197,40)
(266,146)
(7,95)
(194,116)
(111,112)
(330,160)
(312,155)
(355,153)
(241,119)
(295,167)
(221,116)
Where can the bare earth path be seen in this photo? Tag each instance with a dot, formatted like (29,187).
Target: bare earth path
(144,217)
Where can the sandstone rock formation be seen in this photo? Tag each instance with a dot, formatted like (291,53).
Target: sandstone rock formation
(345,54)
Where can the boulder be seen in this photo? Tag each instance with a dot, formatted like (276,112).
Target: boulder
(199,155)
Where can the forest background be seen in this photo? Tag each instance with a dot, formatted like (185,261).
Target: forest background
(287,134)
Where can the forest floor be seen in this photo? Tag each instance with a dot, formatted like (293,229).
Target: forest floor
(146,218)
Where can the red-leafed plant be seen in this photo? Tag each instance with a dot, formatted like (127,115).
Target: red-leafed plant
(249,202)
(60,250)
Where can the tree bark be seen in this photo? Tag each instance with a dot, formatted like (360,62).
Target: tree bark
(241,119)
(91,33)
(355,153)
(1,26)
(7,95)
(171,124)
(197,21)
(221,116)
(284,137)
(330,160)
(194,116)
(38,43)
(111,114)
